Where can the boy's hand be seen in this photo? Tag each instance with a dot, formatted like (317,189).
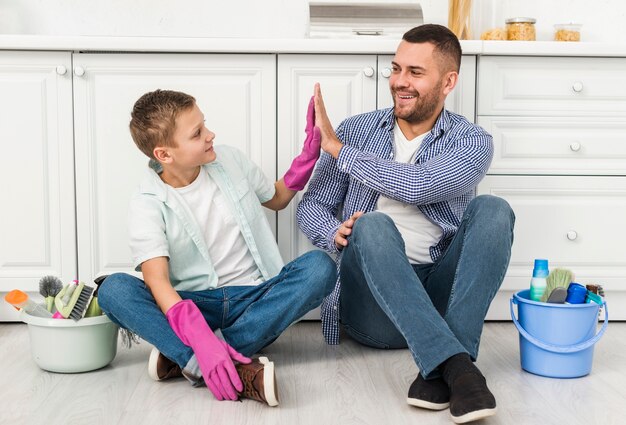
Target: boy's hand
(302,166)
(214,356)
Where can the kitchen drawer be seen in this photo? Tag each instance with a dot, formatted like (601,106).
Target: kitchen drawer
(574,222)
(557,86)
(534,145)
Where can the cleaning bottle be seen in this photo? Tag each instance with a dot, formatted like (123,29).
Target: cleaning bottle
(538,281)
(20,301)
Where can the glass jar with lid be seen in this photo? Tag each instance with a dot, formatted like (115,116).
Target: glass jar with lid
(521,29)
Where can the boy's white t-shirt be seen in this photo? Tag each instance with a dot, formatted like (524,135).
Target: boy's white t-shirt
(232,260)
(418,232)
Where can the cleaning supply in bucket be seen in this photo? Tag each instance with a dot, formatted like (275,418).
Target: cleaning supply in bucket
(74,306)
(94,308)
(558,278)
(49,287)
(20,301)
(576,293)
(538,282)
(557,340)
(557,296)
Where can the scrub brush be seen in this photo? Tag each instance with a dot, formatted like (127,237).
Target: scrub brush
(75,306)
(558,278)
(49,287)
(94,309)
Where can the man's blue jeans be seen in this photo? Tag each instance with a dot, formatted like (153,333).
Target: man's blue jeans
(438,309)
(250,317)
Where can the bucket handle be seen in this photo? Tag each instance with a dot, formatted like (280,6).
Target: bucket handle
(561,348)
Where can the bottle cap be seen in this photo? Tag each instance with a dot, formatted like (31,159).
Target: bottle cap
(576,293)
(541,268)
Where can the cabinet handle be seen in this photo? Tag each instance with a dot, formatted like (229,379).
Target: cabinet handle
(61,70)
(386,72)
(572,235)
(577,87)
(575,146)
(79,71)
(368,71)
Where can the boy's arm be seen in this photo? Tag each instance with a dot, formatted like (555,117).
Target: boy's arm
(282,196)
(156,276)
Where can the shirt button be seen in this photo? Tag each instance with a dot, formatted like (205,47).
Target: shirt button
(334,307)
(344,167)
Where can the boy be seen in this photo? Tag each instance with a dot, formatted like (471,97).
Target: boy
(207,255)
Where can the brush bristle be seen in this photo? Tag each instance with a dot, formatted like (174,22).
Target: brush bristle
(557,278)
(81,303)
(50,286)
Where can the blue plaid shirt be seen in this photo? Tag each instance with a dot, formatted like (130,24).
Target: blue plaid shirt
(441,181)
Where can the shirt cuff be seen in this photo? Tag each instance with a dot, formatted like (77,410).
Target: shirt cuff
(347,157)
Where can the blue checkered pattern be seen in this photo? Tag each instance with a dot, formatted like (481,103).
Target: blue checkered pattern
(442,180)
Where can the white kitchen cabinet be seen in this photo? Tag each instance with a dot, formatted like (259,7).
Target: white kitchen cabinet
(558,128)
(236,93)
(37,218)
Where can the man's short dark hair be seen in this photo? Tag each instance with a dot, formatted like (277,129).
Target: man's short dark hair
(447,46)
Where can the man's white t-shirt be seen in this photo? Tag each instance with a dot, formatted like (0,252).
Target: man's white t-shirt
(232,260)
(418,232)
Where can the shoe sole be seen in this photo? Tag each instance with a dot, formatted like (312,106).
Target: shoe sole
(152,362)
(474,416)
(269,382)
(427,404)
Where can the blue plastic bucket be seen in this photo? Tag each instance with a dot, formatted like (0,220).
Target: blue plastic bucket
(556,340)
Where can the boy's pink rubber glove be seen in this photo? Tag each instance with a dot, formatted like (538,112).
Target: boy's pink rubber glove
(302,166)
(214,356)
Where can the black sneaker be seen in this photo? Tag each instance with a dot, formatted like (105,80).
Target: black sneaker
(432,394)
(470,398)
(161,368)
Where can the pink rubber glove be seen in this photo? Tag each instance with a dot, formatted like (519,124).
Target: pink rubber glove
(302,165)
(214,356)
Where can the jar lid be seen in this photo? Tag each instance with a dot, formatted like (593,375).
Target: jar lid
(520,20)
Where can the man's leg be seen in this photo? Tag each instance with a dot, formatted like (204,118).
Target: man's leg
(374,267)
(464,281)
(257,315)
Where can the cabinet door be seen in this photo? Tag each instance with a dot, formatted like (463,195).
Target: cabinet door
(461,100)
(37,219)
(236,93)
(574,222)
(349,87)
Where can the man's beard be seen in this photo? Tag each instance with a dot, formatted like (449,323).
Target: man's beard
(423,109)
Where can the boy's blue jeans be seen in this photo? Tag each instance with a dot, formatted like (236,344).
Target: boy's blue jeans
(437,310)
(250,317)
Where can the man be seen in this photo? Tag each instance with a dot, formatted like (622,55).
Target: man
(420,256)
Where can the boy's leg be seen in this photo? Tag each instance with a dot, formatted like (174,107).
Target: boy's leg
(258,315)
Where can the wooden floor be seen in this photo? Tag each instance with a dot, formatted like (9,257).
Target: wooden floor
(318,384)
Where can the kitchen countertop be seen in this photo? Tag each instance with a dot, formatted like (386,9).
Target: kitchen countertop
(303,45)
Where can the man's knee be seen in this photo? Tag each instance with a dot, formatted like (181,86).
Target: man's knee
(373,225)
(493,208)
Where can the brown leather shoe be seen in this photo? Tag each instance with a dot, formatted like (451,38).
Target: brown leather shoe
(161,368)
(259,381)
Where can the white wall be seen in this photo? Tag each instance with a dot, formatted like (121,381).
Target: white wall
(602,19)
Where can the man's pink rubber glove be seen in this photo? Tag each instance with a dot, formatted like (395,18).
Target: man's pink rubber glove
(214,356)
(302,166)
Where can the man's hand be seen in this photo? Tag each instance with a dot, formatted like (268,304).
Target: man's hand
(330,143)
(341,237)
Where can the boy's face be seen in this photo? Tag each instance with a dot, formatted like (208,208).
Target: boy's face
(194,142)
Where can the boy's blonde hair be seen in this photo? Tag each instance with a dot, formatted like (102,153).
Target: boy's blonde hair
(153,119)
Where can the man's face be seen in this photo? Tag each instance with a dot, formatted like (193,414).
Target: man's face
(417,85)
(194,141)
